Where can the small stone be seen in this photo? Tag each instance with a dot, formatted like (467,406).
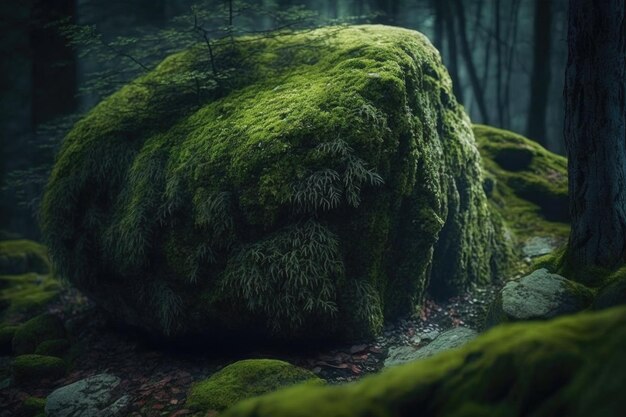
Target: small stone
(91,396)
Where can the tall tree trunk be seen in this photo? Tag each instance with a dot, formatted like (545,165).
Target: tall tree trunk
(513,23)
(469,62)
(540,77)
(499,48)
(439,24)
(453,54)
(595,132)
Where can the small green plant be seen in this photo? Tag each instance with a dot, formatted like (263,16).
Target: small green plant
(288,277)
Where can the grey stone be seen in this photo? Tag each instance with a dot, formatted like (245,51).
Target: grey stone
(539,246)
(539,296)
(447,340)
(89,397)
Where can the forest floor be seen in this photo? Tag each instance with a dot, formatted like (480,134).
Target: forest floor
(158,379)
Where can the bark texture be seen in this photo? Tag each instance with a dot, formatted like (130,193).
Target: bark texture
(595,132)
(541,74)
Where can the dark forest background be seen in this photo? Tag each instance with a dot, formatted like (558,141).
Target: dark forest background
(506,58)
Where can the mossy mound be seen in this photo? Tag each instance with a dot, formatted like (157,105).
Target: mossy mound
(527,183)
(246,379)
(22,256)
(27,294)
(33,407)
(27,369)
(6,339)
(571,366)
(36,331)
(316,193)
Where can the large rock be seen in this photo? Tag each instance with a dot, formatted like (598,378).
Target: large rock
(314,194)
(572,366)
(539,296)
(447,340)
(246,379)
(95,396)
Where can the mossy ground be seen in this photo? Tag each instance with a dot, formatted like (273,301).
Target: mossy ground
(31,369)
(22,256)
(530,187)
(26,286)
(246,379)
(570,366)
(317,192)
(37,330)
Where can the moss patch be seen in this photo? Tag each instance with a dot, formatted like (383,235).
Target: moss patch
(570,366)
(54,347)
(33,407)
(34,368)
(22,256)
(246,379)
(36,331)
(27,294)
(528,182)
(315,194)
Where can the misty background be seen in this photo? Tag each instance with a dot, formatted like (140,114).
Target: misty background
(506,58)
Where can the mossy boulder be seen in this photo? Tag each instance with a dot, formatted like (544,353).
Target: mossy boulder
(571,366)
(246,379)
(22,256)
(321,190)
(36,331)
(54,347)
(527,183)
(539,296)
(28,369)
(613,293)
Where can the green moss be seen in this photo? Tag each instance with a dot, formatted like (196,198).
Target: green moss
(337,162)
(34,368)
(32,407)
(36,331)
(529,183)
(27,294)
(6,339)
(570,366)
(22,256)
(54,347)
(246,379)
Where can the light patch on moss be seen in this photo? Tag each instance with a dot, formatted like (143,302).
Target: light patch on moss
(570,366)
(246,379)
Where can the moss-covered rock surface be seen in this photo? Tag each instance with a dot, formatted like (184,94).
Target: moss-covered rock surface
(571,366)
(37,330)
(31,369)
(318,192)
(245,379)
(526,183)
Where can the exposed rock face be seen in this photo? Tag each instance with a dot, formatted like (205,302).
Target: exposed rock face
(318,194)
(447,340)
(539,296)
(89,397)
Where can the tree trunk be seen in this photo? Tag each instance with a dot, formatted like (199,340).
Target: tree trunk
(595,132)
(453,55)
(540,77)
(469,62)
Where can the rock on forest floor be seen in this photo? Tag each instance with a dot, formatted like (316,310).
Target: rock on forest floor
(157,380)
